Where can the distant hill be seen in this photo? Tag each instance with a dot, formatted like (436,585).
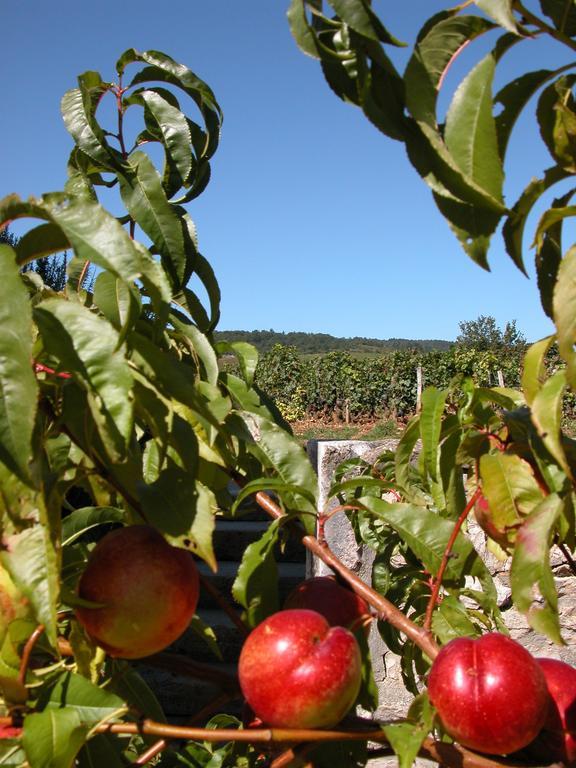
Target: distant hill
(322,343)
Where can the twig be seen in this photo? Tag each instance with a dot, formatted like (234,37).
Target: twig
(432,602)
(26,654)
(212,706)
(385,609)
(225,605)
(570,562)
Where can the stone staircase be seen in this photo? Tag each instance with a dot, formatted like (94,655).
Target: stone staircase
(183,695)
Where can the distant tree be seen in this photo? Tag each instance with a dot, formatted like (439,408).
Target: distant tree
(484,334)
(7,238)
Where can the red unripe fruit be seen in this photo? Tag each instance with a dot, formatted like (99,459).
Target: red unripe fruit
(296,671)
(341,607)
(148,590)
(557,739)
(490,693)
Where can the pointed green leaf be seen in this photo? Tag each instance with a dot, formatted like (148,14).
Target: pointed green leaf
(31,559)
(85,131)
(256,585)
(281,452)
(547,417)
(534,371)
(87,347)
(99,238)
(101,750)
(18,387)
(119,302)
(565,312)
(513,230)
(91,703)
(531,578)
(509,485)
(126,683)
(173,127)
(433,403)
(53,738)
(360,17)
(470,131)
(145,199)
(85,519)
(501,12)
(246,354)
(427,535)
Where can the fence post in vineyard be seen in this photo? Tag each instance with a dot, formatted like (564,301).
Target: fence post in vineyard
(419,382)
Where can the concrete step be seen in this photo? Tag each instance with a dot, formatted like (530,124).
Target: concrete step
(289,575)
(232,537)
(183,689)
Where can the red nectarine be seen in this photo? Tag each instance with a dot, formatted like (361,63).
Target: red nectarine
(147,588)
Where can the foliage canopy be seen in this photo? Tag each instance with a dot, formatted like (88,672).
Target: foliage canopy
(114,395)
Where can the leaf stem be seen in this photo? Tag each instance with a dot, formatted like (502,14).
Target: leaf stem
(27,653)
(432,602)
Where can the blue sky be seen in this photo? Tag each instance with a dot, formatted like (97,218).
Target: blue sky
(313,221)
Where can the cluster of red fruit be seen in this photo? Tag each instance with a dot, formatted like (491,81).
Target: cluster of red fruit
(302,667)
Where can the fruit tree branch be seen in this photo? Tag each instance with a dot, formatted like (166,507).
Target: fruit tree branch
(385,609)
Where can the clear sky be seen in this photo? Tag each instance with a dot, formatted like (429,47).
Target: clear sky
(313,221)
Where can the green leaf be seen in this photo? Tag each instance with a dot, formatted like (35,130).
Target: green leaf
(41,241)
(182,509)
(127,684)
(172,126)
(534,371)
(146,201)
(85,519)
(501,12)
(557,120)
(119,302)
(274,485)
(470,131)
(101,750)
(91,703)
(564,308)
(99,238)
(433,403)
(32,561)
(407,738)
(207,634)
(246,354)
(199,346)
(282,453)
(88,136)
(88,347)
(163,68)
(531,578)
(440,42)
(405,452)
(427,535)
(513,230)
(53,738)
(547,417)
(18,387)
(562,14)
(360,17)
(509,485)
(301,30)
(451,620)
(256,585)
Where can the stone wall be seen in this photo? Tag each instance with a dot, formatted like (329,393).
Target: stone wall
(326,455)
